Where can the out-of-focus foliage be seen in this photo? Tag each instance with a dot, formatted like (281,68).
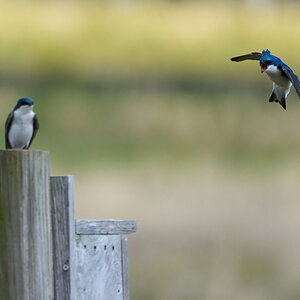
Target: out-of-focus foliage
(93,40)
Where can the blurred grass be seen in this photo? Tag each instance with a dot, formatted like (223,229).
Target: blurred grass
(128,128)
(92,40)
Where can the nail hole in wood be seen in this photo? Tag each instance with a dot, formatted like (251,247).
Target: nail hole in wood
(95,247)
(113,248)
(104,247)
(84,246)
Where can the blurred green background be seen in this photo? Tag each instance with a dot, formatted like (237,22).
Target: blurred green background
(139,100)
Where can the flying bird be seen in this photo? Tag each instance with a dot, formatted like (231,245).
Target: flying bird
(282,75)
(21,125)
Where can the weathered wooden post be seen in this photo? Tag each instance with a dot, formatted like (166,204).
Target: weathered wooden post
(63,223)
(45,253)
(26,256)
(90,256)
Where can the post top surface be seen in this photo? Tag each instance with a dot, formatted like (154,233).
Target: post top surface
(103,227)
(22,151)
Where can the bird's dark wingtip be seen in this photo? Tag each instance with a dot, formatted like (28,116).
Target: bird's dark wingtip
(283,103)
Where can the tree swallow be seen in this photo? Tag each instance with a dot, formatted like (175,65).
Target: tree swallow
(282,75)
(21,125)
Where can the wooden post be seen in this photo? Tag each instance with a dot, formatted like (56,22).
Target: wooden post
(63,223)
(45,253)
(26,253)
(91,259)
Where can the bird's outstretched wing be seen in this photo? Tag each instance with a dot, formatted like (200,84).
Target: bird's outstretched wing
(250,56)
(36,126)
(7,127)
(292,77)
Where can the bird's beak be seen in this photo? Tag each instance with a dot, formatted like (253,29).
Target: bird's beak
(263,66)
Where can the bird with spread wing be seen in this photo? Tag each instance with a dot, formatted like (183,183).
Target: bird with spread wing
(282,75)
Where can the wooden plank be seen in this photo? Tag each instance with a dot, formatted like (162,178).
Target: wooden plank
(99,267)
(62,213)
(26,254)
(125,271)
(104,227)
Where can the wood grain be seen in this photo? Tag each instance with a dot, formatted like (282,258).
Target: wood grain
(125,271)
(26,254)
(99,267)
(62,213)
(103,227)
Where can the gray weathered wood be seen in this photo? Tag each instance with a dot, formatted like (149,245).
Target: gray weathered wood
(125,272)
(105,227)
(26,254)
(49,256)
(109,268)
(99,267)
(63,223)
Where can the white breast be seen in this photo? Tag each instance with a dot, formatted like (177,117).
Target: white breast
(281,92)
(21,129)
(276,76)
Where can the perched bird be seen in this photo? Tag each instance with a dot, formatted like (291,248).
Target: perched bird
(21,125)
(282,75)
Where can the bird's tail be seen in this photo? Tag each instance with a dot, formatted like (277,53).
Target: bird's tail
(274,98)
